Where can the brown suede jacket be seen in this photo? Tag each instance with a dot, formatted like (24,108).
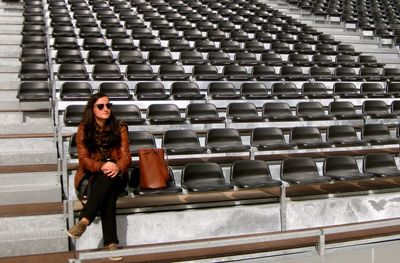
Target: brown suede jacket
(91,162)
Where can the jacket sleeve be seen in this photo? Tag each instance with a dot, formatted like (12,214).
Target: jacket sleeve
(124,155)
(85,160)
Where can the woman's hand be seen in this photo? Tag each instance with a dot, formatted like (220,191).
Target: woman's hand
(110,169)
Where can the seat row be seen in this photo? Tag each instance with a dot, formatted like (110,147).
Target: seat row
(229,140)
(175,71)
(242,112)
(202,177)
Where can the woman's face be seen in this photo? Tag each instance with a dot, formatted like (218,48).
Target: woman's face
(102,109)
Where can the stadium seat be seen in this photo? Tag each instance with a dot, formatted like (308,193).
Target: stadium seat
(129,113)
(164,114)
(76,91)
(182,142)
(140,72)
(222,90)
(73,115)
(200,177)
(380,164)
(140,139)
(252,174)
(312,110)
(107,72)
(270,138)
(243,112)
(221,140)
(301,171)
(203,113)
(377,109)
(100,56)
(378,134)
(115,90)
(33,90)
(150,91)
(308,137)
(34,71)
(186,91)
(343,136)
(279,111)
(254,90)
(343,168)
(69,56)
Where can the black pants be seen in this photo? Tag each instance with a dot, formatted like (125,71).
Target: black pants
(102,198)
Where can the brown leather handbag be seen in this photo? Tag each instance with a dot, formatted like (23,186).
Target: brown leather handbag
(153,168)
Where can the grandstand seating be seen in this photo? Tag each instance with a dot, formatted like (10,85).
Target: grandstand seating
(253,106)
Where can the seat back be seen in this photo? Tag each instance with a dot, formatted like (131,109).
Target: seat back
(249,169)
(140,139)
(337,165)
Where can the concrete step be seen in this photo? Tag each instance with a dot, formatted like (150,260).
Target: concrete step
(13,62)
(17,117)
(10,54)
(29,188)
(28,128)
(11,20)
(9,85)
(28,151)
(10,39)
(10,29)
(32,235)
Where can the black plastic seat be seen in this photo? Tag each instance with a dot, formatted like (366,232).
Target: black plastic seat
(343,136)
(230,46)
(69,56)
(172,72)
(292,73)
(369,61)
(203,113)
(129,113)
(321,73)
(346,61)
(285,90)
(252,173)
(392,74)
(58,31)
(327,39)
(272,59)
(378,134)
(216,35)
(142,33)
(206,72)
(134,22)
(219,58)
(88,31)
(150,44)
(377,109)
(122,44)
(308,137)
(33,42)
(235,72)
(347,49)
(201,177)
(303,49)
(33,71)
(182,142)
(346,90)
(312,110)
(140,72)
(139,140)
(281,48)
(370,74)
(186,91)
(325,49)
(373,90)
(254,46)
(191,57)
(150,91)
(279,111)
(264,37)
(299,60)
(380,164)
(315,90)
(179,45)
(221,140)
(100,56)
(64,43)
(301,171)
(343,168)
(343,110)
(116,32)
(76,91)
(130,57)
(270,138)
(254,90)
(73,115)
(205,46)
(94,43)
(171,187)
(222,90)
(246,58)
(243,112)
(323,60)
(106,72)
(164,114)
(395,107)
(33,55)
(393,88)
(159,57)
(33,91)
(115,90)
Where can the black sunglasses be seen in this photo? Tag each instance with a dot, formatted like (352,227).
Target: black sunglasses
(101,106)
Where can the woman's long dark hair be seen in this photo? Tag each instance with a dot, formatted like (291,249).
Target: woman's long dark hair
(89,122)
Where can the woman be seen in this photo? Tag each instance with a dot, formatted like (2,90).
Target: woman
(104,159)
